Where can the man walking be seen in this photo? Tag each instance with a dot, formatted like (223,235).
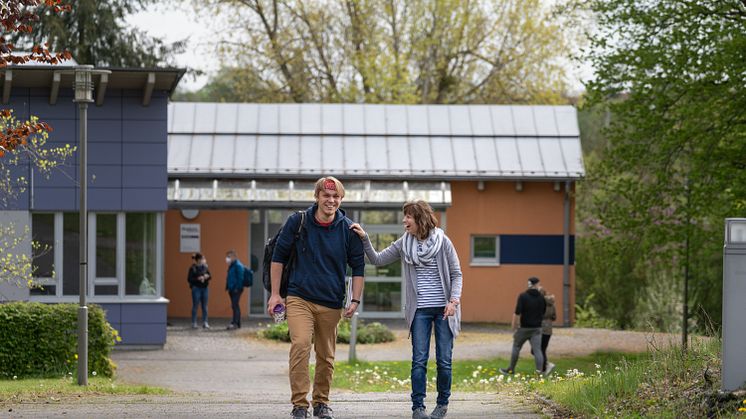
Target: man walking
(316,291)
(529,310)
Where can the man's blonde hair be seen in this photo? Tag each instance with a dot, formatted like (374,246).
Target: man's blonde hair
(321,182)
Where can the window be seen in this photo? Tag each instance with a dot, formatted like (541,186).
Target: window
(43,254)
(485,250)
(381,217)
(71,254)
(105,279)
(382,296)
(381,241)
(140,263)
(123,252)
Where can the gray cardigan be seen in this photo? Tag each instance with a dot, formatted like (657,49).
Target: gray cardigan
(448,266)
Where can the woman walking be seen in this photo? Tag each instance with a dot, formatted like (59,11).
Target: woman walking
(199,279)
(433,281)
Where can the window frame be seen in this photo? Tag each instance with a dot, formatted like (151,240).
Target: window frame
(482,261)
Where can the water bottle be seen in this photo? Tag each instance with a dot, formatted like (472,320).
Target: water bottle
(278,313)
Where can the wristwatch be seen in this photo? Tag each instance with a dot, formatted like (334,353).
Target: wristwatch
(355,301)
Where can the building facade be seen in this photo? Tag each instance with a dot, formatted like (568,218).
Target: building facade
(501,179)
(127,156)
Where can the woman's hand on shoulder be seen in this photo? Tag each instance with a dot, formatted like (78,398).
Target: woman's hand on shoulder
(358,230)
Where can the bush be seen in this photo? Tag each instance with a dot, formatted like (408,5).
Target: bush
(366,333)
(41,340)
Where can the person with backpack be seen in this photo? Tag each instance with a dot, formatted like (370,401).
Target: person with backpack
(198,279)
(317,246)
(433,280)
(234,284)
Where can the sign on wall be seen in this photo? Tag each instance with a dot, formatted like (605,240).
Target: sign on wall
(190,235)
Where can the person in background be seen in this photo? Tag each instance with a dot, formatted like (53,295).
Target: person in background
(529,311)
(234,286)
(550,315)
(432,274)
(199,278)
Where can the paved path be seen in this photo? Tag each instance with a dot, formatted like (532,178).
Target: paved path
(219,373)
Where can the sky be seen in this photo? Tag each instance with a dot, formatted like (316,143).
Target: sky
(176,22)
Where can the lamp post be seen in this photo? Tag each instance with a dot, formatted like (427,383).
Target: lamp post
(83,87)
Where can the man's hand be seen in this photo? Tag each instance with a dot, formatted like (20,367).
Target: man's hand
(350,310)
(274,300)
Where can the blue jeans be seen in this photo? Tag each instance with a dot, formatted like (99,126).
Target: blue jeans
(236,306)
(422,325)
(199,297)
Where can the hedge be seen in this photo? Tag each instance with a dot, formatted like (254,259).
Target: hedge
(40,340)
(366,333)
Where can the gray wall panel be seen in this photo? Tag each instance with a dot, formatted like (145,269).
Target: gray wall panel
(142,199)
(104,153)
(146,154)
(10,291)
(59,177)
(140,131)
(105,130)
(55,199)
(111,109)
(143,334)
(105,199)
(113,312)
(144,176)
(132,107)
(104,176)
(65,131)
(39,105)
(144,313)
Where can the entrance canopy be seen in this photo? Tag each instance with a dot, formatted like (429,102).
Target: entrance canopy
(234,153)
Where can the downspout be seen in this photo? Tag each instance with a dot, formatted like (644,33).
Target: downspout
(566,258)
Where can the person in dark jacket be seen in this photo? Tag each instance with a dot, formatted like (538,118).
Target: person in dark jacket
(316,291)
(529,311)
(234,286)
(199,278)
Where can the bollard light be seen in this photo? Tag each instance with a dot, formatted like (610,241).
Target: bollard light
(83,84)
(736,231)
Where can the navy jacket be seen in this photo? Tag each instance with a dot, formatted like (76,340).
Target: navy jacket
(323,256)
(234,279)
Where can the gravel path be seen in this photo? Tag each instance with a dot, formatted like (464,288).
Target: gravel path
(219,373)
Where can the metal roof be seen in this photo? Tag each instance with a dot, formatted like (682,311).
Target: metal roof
(373,141)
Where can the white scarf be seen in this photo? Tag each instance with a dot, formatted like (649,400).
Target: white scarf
(415,254)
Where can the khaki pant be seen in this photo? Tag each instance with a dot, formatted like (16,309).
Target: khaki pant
(308,321)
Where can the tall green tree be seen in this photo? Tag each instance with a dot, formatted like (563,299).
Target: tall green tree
(96,33)
(675,162)
(413,51)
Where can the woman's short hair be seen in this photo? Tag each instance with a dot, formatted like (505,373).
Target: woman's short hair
(423,215)
(325,183)
(197,256)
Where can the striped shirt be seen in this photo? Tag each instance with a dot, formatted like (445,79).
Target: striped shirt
(429,288)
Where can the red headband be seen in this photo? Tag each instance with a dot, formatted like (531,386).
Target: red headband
(330,184)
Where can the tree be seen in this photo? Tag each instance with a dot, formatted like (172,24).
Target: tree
(23,142)
(96,33)
(416,51)
(674,165)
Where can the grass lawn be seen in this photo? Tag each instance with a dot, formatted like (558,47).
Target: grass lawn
(55,389)
(468,375)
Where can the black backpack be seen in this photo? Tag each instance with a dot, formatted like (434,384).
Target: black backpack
(269,249)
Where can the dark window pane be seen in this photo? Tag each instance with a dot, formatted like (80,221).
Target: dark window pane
(43,234)
(106,245)
(44,290)
(381,217)
(382,296)
(381,241)
(141,253)
(485,247)
(70,254)
(106,290)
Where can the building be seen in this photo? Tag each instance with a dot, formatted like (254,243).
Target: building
(501,178)
(127,155)
(167,180)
